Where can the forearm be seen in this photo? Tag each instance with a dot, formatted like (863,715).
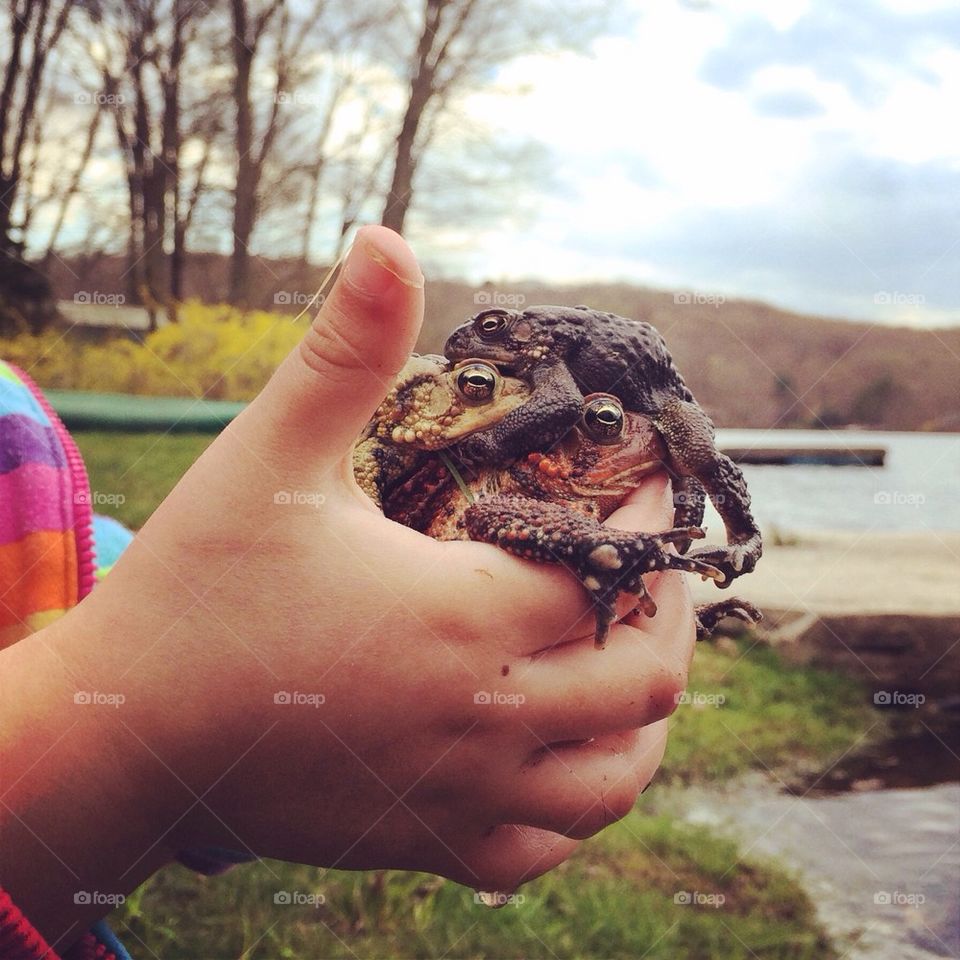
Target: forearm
(79,826)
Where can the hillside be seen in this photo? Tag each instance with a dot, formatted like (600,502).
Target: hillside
(749,364)
(753,365)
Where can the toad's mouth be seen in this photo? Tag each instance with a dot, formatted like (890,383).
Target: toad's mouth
(502,359)
(617,482)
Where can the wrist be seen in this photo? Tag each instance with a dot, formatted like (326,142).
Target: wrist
(80,821)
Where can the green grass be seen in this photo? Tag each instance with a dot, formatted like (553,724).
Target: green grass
(130,473)
(752,711)
(615,898)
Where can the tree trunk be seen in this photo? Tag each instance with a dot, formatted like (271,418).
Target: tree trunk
(171,142)
(8,188)
(421,90)
(244,195)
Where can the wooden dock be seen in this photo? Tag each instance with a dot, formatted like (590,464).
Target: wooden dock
(818,456)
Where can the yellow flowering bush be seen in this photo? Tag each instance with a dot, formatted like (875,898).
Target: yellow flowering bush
(214,351)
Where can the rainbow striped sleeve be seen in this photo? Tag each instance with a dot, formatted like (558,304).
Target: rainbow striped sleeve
(46,543)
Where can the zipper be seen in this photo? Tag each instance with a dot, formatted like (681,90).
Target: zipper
(80,491)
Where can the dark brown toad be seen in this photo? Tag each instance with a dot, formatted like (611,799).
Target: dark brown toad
(566,353)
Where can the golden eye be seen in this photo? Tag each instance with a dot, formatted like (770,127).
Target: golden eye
(603,418)
(490,323)
(477,382)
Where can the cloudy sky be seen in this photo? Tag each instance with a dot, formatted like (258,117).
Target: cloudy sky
(804,152)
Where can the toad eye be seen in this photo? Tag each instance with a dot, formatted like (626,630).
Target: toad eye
(477,382)
(491,323)
(603,418)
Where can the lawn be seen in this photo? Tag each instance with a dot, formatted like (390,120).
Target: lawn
(133,472)
(620,896)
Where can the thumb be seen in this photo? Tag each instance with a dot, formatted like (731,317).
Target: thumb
(327,388)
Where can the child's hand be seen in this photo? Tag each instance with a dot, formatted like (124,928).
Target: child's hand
(305,679)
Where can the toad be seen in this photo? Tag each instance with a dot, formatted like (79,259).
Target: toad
(542,506)
(567,353)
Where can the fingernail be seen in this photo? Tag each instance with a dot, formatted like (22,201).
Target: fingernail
(368,269)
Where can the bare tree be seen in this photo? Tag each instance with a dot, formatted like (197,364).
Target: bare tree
(259,125)
(139,48)
(458,41)
(284,55)
(249,28)
(35,29)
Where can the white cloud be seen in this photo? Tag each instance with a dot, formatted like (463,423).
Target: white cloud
(643,143)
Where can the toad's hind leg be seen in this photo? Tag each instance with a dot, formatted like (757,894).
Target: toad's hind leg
(688,433)
(606,561)
(708,615)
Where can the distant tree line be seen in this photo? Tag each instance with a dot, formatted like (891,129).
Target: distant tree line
(160,127)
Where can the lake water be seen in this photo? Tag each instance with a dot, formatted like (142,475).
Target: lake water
(917,489)
(882,866)
(877,841)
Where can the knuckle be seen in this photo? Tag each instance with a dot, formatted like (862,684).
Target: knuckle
(620,802)
(663,689)
(333,344)
(594,811)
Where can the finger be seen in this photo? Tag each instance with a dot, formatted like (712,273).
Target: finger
(642,671)
(507,856)
(579,789)
(648,509)
(326,389)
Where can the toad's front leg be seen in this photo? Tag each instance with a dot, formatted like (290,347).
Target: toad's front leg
(688,433)
(606,561)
